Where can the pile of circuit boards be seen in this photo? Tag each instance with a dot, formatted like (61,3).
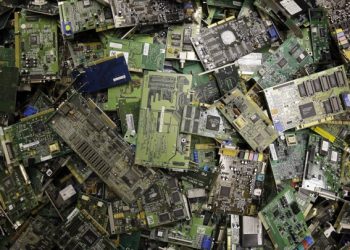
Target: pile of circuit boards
(175,124)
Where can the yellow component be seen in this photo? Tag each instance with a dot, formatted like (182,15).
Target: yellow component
(204,146)
(68,27)
(119,216)
(324,134)
(54,147)
(240,122)
(142,215)
(338,31)
(228,152)
(261,157)
(246,155)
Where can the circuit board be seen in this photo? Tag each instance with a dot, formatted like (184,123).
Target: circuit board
(228,40)
(78,16)
(145,12)
(225,3)
(248,119)
(193,234)
(178,41)
(92,135)
(7,57)
(96,208)
(138,55)
(287,156)
(126,218)
(85,53)
(308,101)
(36,47)
(319,35)
(36,235)
(17,197)
(292,14)
(227,78)
(80,232)
(204,154)
(163,203)
(78,168)
(206,121)
(31,141)
(164,96)
(322,167)
(338,135)
(285,222)
(338,19)
(8,88)
(283,64)
(239,186)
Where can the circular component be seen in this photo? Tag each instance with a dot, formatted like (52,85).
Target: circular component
(228,37)
(68,27)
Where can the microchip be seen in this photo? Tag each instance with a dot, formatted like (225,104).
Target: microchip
(33,40)
(89,238)
(213,123)
(164,217)
(172,183)
(179,213)
(295,208)
(307,110)
(254,118)
(175,197)
(152,194)
(282,62)
(225,191)
(39,127)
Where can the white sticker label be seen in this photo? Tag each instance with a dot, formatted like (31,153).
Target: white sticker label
(161,120)
(45,158)
(116,45)
(115,79)
(67,192)
(115,52)
(130,122)
(291,6)
(146,49)
(273,152)
(28,145)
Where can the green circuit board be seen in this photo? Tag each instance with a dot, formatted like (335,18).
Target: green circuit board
(322,167)
(287,156)
(335,133)
(284,221)
(7,57)
(283,64)
(138,55)
(85,53)
(9,82)
(77,16)
(164,96)
(308,101)
(126,218)
(248,119)
(225,3)
(164,203)
(17,197)
(32,141)
(207,122)
(95,207)
(319,33)
(36,47)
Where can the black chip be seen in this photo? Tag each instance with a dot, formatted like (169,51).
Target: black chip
(188,112)
(164,217)
(302,90)
(153,194)
(343,133)
(294,49)
(307,110)
(38,127)
(195,127)
(324,83)
(295,208)
(224,191)
(317,85)
(309,88)
(172,183)
(175,197)
(179,213)
(89,238)
(33,40)
(327,106)
(254,118)
(187,126)
(276,213)
(332,80)
(213,123)
(340,78)
(282,63)
(196,114)
(335,103)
